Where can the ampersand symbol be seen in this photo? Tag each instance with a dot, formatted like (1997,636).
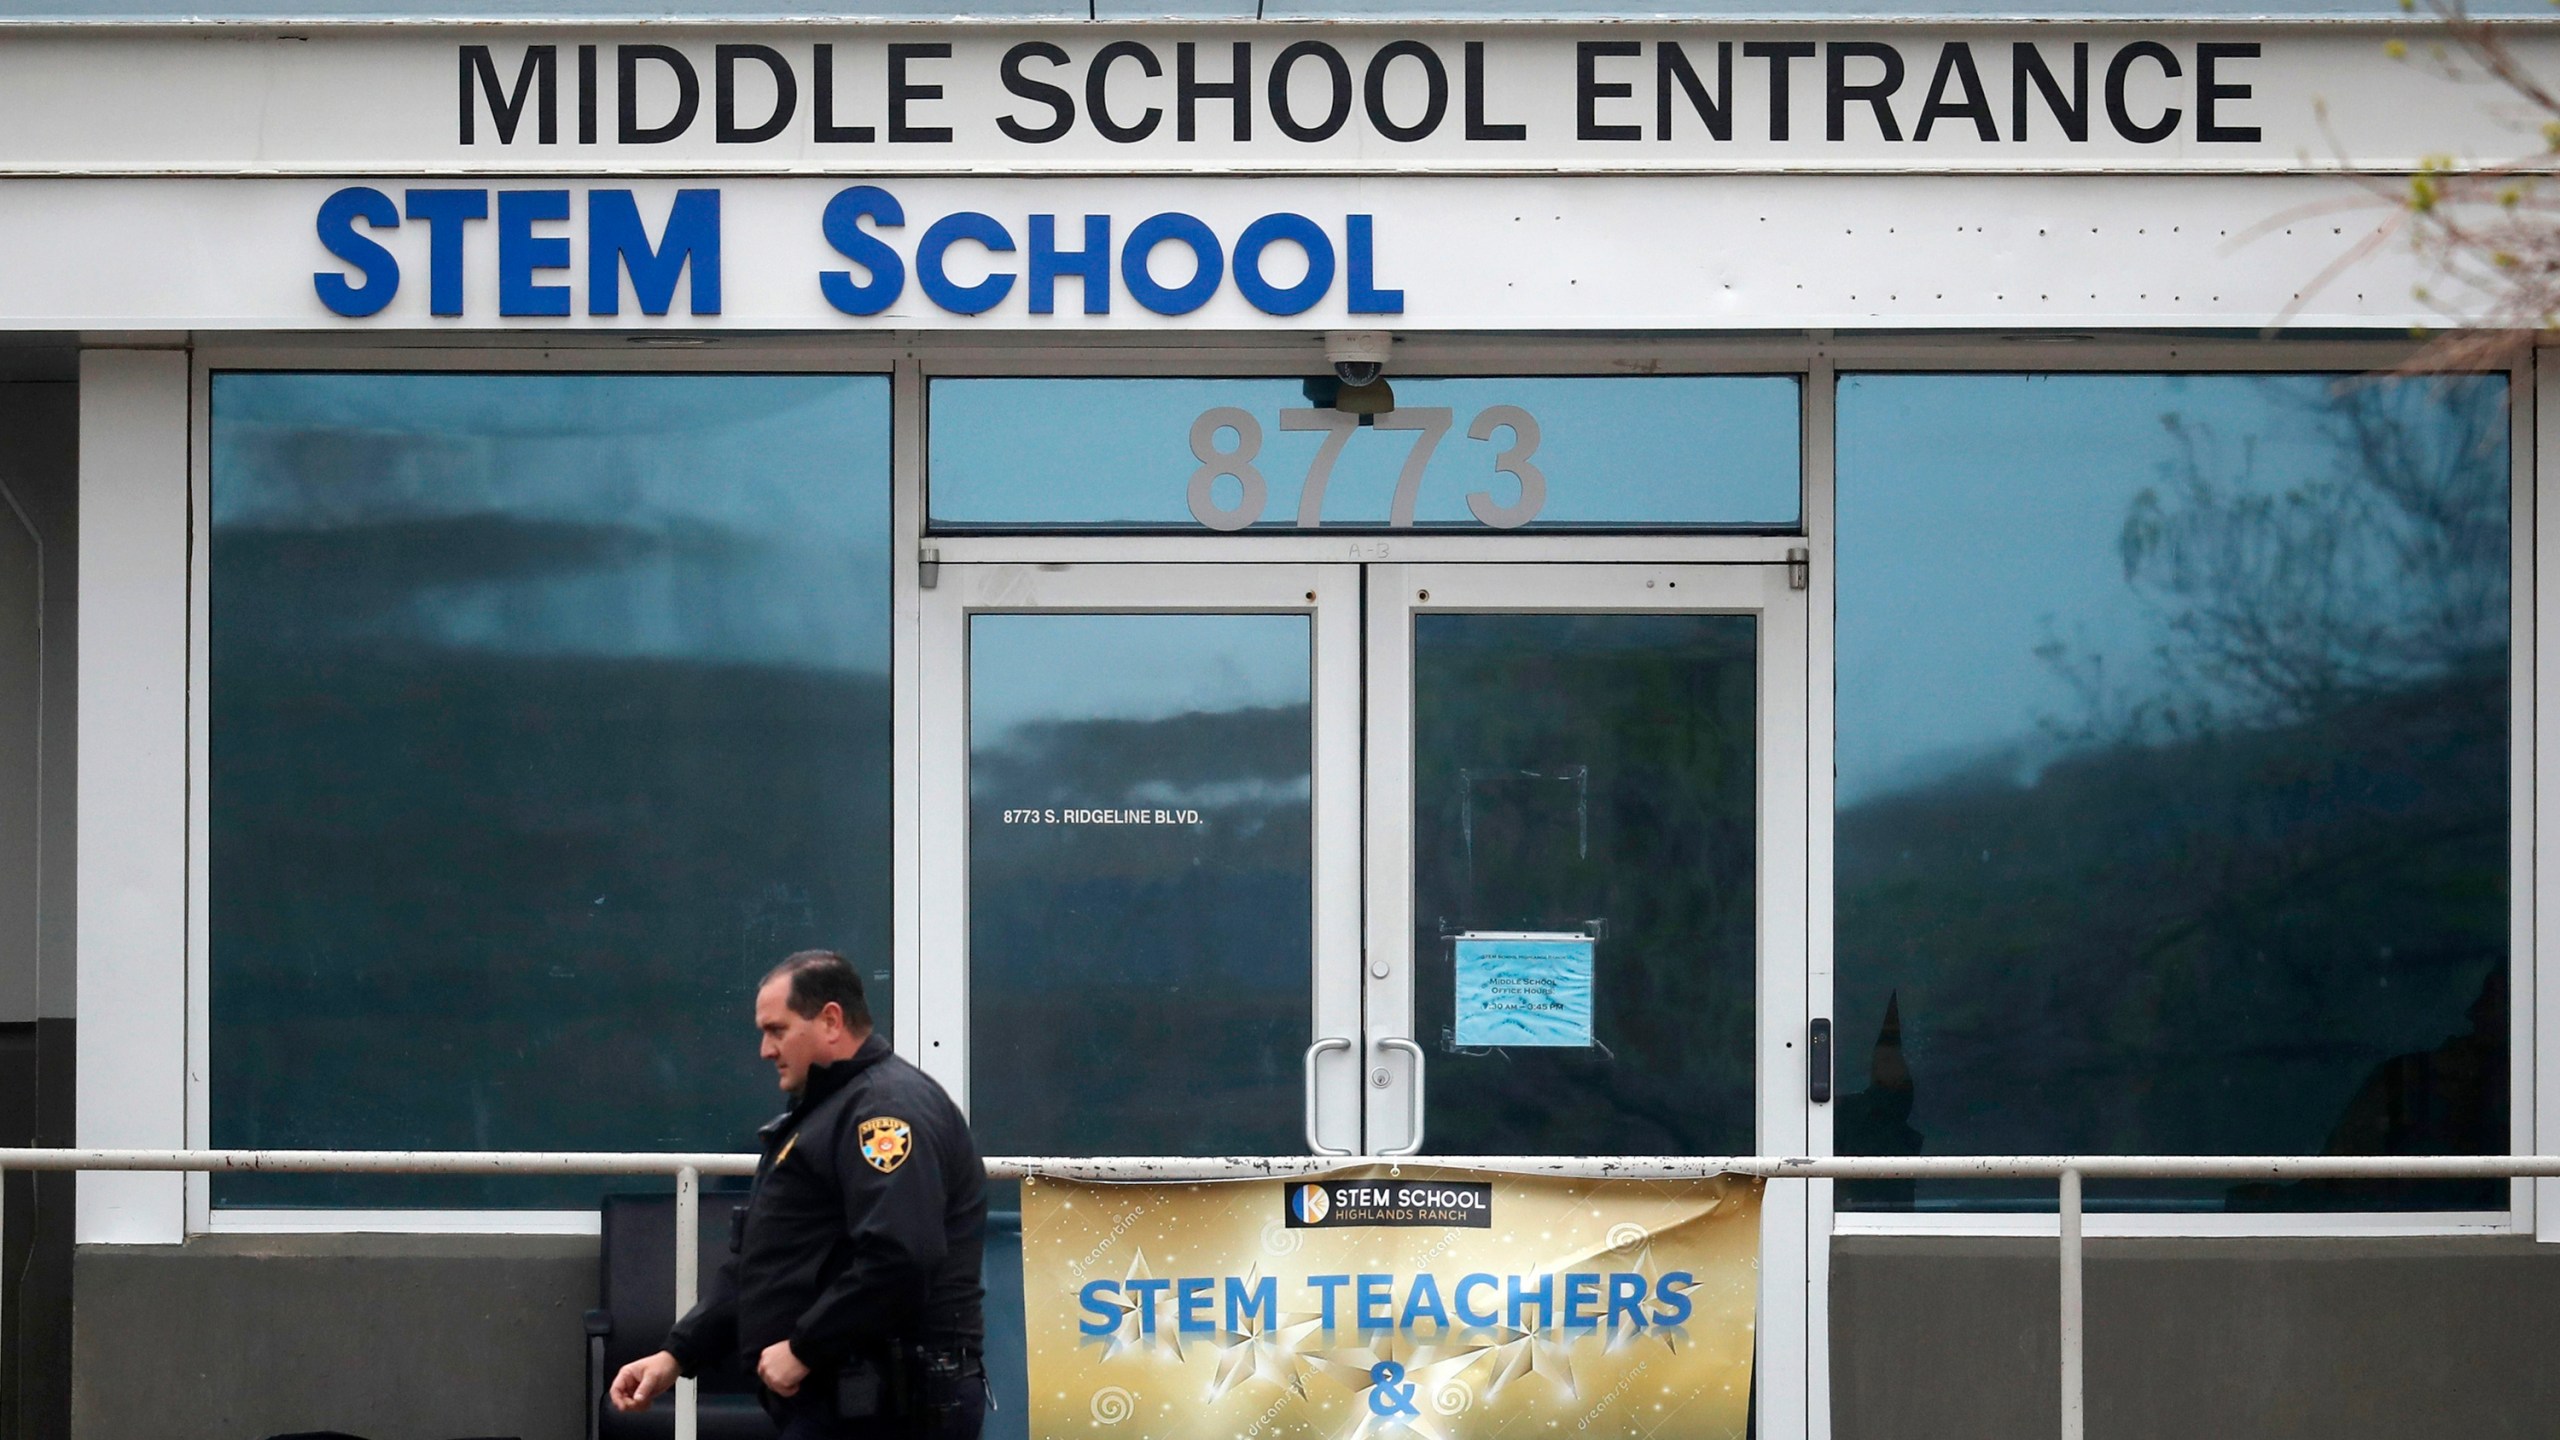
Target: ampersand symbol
(1387,1397)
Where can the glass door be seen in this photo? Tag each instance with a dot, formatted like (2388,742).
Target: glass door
(1586,929)
(1140,856)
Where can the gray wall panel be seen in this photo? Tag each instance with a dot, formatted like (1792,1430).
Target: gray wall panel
(391,1337)
(2346,1339)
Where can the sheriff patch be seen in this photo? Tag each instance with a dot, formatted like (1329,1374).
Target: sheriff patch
(886,1142)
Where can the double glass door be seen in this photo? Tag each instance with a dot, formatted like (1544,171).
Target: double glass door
(1392,859)
(1384,859)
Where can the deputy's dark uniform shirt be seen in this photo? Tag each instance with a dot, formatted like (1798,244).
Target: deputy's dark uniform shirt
(866,1225)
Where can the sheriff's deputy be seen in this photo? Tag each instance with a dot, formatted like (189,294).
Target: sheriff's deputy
(852,1288)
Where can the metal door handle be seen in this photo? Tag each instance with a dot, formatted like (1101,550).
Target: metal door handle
(1330,1042)
(1413,1105)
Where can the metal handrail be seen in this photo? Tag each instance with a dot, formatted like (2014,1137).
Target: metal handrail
(2069,1171)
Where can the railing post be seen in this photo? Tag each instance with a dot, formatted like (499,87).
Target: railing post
(2073,1418)
(688,1277)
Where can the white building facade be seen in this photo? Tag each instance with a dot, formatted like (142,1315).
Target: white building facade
(1914,546)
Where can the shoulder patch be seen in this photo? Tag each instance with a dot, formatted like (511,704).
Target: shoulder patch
(886,1142)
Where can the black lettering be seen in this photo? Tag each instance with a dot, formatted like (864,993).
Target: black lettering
(903,92)
(1670,66)
(1477,129)
(1335,67)
(536,80)
(1189,89)
(1097,91)
(2122,118)
(2210,91)
(1874,94)
(1435,90)
(1062,106)
(822,65)
(587,88)
(1589,90)
(2026,63)
(1782,56)
(724,91)
(1956,61)
(626,59)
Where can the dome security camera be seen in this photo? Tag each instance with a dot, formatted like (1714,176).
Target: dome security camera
(1359,357)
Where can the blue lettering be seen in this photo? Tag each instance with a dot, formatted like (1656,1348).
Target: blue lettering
(1145,1293)
(617,241)
(1671,1292)
(1092,264)
(521,252)
(1626,1300)
(1300,231)
(1544,1293)
(1328,1284)
(446,212)
(1208,258)
(1193,1301)
(1261,1302)
(1424,1302)
(1581,1300)
(1363,293)
(842,224)
(1467,1313)
(1104,1319)
(939,237)
(337,225)
(1377,1306)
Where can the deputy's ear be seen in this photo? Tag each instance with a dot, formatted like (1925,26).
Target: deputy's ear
(832,1013)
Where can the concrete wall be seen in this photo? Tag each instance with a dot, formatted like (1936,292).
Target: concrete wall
(130,903)
(391,1337)
(2345,1339)
(427,1338)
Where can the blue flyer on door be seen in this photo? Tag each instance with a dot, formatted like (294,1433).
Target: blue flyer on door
(1524,990)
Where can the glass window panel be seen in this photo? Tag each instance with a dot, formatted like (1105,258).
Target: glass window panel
(548,711)
(1594,773)
(2173,776)
(1695,451)
(1141,882)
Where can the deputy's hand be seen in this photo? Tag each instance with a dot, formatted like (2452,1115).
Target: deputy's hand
(780,1370)
(640,1381)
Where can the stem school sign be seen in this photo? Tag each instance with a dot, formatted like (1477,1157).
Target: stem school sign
(1391,1300)
(1342,98)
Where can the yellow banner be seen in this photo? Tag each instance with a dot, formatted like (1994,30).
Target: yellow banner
(1447,1304)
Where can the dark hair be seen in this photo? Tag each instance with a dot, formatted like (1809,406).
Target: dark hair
(818,977)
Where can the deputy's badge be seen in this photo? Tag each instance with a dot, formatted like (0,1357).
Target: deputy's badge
(886,1142)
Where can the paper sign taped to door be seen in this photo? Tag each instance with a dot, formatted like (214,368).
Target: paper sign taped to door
(1523,990)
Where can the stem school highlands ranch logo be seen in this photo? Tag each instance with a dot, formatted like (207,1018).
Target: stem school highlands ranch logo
(1335,1204)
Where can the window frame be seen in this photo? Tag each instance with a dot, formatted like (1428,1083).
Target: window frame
(2532,1210)
(1816,357)
(203,1217)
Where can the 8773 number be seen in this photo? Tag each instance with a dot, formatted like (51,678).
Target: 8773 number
(1429,425)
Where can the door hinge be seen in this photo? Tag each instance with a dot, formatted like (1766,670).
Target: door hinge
(1799,568)
(929,568)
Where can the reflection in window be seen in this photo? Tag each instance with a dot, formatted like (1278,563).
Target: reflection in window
(547,712)
(1141,883)
(1595,774)
(2173,775)
(1537,452)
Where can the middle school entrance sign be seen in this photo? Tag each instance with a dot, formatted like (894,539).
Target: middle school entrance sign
(1391,1299)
